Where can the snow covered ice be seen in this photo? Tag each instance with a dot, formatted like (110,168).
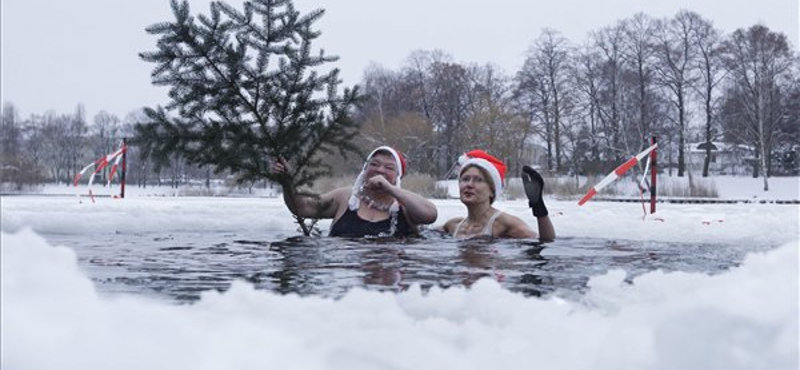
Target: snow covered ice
(744,318)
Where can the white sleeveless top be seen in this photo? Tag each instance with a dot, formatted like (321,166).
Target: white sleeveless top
(487,230)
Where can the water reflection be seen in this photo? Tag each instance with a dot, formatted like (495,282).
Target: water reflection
(180,266)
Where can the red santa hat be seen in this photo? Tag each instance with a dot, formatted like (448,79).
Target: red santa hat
(495,167)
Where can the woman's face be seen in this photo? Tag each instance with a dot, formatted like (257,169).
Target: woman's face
(382,164)
(474,187)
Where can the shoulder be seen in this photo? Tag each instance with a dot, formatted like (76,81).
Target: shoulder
(337,198)
(514,227)
(342,193)
(450,225)
(509,219)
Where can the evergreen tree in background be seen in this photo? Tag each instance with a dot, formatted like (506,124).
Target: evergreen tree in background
(244,90)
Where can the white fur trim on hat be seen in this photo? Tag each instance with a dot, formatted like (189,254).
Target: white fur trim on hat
(497,181)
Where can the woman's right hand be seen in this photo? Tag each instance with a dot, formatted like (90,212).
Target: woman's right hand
(280,169)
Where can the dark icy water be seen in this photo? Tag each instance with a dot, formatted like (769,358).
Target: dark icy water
(179,266)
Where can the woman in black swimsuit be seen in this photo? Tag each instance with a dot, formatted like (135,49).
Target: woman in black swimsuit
(375,206)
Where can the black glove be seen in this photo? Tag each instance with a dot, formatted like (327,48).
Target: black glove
(534,185)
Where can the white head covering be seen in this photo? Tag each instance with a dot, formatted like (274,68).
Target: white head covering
(354,201)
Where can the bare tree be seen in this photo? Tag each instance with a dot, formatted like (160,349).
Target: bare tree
(708,42)
(677,52)
(439,89)
(33,145)
(788,151)
(451,85)
(104,136)
(74,143)
(417,73)
(388,116)
(609,45)
(493,123)
(550,55)
(640,56)
(138,167)
(53,138)
(586,81)
(759,62)
(380,87)
(532,97)
(10,137)
(16,166)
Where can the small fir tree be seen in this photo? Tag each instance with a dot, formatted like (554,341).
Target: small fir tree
(244,90)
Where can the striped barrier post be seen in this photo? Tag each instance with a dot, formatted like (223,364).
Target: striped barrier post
(99,165)
(619,171)
(653,172)
(124,168)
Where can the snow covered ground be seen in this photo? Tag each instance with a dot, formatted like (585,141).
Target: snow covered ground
(785,188)
(745,318)
(745,189)
(728,187)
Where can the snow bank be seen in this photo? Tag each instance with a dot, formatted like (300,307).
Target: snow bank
(746,318)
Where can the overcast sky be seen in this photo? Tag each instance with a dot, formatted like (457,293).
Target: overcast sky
(58,53)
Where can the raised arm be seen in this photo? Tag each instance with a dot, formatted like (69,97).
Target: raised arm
(520,229)
(533,183)
(546,230)
(516,228)
(323,206)
(419,210)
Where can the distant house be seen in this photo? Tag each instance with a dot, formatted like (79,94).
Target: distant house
(726,159)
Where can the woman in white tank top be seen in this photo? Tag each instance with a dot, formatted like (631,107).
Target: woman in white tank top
(487,229)
(480,182)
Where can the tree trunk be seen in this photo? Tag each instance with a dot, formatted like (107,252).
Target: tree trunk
(756,163)
(556,129)
(707,162)
(681,158)
(709,117)
(761,138)
(764,171)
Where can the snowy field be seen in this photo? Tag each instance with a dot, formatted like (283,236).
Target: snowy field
(728,187)
(53,317)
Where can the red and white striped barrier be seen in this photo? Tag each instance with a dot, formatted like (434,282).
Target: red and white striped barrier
(99,165)
(616,174)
